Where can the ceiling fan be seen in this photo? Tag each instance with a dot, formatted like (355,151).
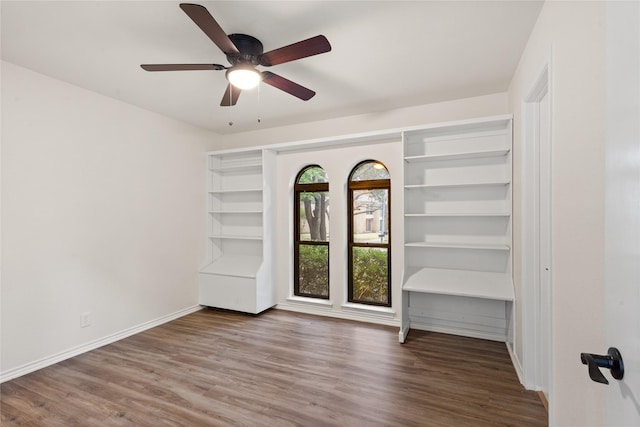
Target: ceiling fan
(244,53)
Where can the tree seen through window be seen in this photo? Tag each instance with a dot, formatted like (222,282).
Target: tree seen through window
(311,252)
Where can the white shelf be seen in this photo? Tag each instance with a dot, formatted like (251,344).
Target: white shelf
(457,214)
(235,237)
(457,225)
(460,184)
(458,156)
(483,246)
(467,283)
(234,265)
(238,190)
(233,212)
(239,275)
(235,161)
(257,166)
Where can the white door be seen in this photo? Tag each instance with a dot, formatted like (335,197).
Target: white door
(622,226)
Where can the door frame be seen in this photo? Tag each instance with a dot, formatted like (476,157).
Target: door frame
(532,304)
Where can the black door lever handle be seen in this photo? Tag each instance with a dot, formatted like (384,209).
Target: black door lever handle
(612,361)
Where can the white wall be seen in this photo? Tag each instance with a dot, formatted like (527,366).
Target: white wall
(461,109)
(102,212)
(571,35)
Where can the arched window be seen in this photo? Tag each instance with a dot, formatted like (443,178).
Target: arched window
(369,247)
(311,231)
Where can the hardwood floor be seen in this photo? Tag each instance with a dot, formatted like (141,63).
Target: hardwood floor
(215,368)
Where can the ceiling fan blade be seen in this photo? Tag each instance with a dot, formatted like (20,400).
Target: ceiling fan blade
(203,19)
(287,85)
(302,49)
(181,67)
(231,96)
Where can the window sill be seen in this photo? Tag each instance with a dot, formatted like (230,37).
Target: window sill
(369,309)
(316,302)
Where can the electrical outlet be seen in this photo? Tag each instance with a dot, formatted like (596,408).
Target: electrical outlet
(85,319)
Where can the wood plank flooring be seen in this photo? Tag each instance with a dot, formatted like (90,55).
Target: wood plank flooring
(216,368)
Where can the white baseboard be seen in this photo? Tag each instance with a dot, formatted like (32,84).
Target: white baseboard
(453,330)
(515,362)
(368,316)
(92,345)
(402,333)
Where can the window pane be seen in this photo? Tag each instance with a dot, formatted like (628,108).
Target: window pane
(370,278)
(314,216)
(312,175)
(370,216)
(369,171)
(313,270)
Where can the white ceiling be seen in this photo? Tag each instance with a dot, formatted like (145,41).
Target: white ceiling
(385,54)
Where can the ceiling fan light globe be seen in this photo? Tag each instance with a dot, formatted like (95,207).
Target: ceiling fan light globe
(244,78)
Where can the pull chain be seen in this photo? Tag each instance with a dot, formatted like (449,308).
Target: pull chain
(230,106)
(259,105)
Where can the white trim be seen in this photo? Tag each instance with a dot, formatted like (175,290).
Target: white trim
(92,345)
(369,309)
(404,331)
(310,301)
(345,314)
(515,361)
(530,230)
(456,330)
(380,136)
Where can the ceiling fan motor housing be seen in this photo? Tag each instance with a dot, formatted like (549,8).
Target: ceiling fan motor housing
(250,49)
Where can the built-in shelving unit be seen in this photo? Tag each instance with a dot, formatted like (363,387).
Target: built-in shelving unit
(457,228)
(238,273)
